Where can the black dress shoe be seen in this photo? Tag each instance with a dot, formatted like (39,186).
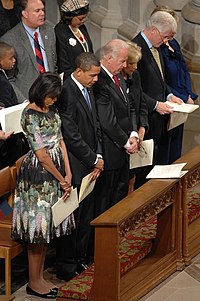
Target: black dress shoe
(66,276)
(81,266)
(49,295)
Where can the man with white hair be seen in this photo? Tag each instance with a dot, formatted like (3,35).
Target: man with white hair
(159,28)
(118,123)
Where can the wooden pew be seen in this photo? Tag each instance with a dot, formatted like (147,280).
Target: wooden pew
(191,204)
(9,249)
(161,198)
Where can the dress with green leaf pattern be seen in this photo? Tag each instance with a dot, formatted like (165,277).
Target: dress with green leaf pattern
(37,189)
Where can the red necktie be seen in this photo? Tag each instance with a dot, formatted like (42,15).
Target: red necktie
(117,82)
(38,53)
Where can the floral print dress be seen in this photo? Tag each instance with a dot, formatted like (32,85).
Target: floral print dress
(37,189)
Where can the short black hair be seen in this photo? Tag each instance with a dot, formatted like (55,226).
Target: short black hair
(86,60)
(3,48)
(46,85)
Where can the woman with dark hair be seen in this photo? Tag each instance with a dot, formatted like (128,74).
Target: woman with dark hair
(72,37)
(44,177)
(9,15)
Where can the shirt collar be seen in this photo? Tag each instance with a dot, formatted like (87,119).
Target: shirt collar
(30,30)
(108,72)
(146,40)
(80,86)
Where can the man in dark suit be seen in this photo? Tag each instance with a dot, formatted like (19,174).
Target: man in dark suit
(159,28)
(81,133)
(21,37)
(13,148)
(118,123)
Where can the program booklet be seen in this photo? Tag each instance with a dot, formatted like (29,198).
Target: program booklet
(10,118)
(167,171)
(143,156)
(87,187)
(184,107)
(62,209)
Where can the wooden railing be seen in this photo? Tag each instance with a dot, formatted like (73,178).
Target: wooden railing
(161,198)
(191,204)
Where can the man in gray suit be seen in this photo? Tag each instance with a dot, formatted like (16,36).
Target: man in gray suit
(21,37)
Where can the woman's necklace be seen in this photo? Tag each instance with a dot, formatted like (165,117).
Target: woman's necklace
(80,37)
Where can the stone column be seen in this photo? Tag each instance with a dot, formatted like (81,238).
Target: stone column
(191,51)
(174,4)
(104,18)
(52,11)
(135,16)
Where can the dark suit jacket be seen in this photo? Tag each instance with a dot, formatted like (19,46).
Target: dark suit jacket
(154,87)
(80,128)
(137,96)
(7,94)
(27,70)
(117,119)
(67,53)
(5,23)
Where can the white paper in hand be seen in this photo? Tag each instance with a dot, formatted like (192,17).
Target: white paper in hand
(62,209)
(144,156)
(86,187)
(10,118)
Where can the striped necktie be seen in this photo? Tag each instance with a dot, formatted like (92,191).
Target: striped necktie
(38,53)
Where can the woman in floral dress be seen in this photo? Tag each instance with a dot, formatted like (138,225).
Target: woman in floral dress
(44,176)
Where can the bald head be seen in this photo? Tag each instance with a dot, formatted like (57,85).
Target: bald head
(114,55)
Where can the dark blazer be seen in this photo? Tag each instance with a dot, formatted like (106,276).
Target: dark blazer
(5,23)
(80,128)
(137,96)
(154,87)
(176,72)
(7,94)
(67,53)
(27,70)
(117,119)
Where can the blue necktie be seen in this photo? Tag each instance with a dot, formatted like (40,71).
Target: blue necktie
(87,98)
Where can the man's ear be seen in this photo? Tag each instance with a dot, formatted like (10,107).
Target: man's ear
(79,72)
(25,14)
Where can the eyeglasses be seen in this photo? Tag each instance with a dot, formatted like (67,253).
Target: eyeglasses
(164,38)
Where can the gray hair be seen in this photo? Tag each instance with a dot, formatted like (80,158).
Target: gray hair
(163,21)
(86,60)
(113,47)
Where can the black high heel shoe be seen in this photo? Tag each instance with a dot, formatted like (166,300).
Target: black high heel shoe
(50,295)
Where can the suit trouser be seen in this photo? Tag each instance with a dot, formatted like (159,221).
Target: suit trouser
(111,187)
(73,247)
